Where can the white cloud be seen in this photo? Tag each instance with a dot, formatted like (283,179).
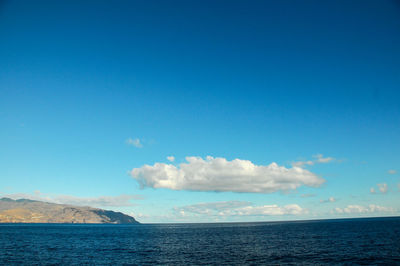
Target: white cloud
(307,195)
(238,208)
(292,209)
(338,210)
(392,172)
(383,187)
(351,209)
(206,208)
(134,142)
(219,174)
(139,215)
(105,201)
(303,163)
(319,158)
(101,201)
(331,199)
(171,158)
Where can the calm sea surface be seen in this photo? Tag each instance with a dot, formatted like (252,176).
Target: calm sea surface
(350,241)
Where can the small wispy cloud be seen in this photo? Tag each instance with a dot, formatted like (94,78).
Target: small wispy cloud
(307,195)
(134,142)
(101,201)
(382,188)
(171,158)
(238,208)
(331,199)
(319,158)
(392,172)
(351,209)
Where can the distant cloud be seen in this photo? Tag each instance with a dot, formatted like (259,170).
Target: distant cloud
(208,208)
(102,201)
(392,172)
(319,158)
(383,188)
(219,174)
(291,209)
(331,199)
(105,201)
(139,215)
(134,142)
(171,158)
(239,208)
(307,195)
(351,209)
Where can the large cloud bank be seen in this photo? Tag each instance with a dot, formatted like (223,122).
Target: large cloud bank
(219,174)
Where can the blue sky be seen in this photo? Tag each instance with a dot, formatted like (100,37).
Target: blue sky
(91,90)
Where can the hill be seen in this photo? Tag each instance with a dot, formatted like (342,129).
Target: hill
(32,211)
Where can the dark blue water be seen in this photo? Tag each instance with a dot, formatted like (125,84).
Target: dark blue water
(353,241)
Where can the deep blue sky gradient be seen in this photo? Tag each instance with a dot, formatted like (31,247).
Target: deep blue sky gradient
(266,81)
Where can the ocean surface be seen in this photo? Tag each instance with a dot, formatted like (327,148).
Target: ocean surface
(328,242)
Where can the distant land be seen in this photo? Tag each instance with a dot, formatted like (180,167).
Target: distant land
(32,211)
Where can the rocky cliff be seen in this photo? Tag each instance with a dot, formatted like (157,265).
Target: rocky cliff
(31,211)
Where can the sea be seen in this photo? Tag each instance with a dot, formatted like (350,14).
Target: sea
(366,241)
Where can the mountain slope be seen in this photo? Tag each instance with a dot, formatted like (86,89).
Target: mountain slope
(31,211)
